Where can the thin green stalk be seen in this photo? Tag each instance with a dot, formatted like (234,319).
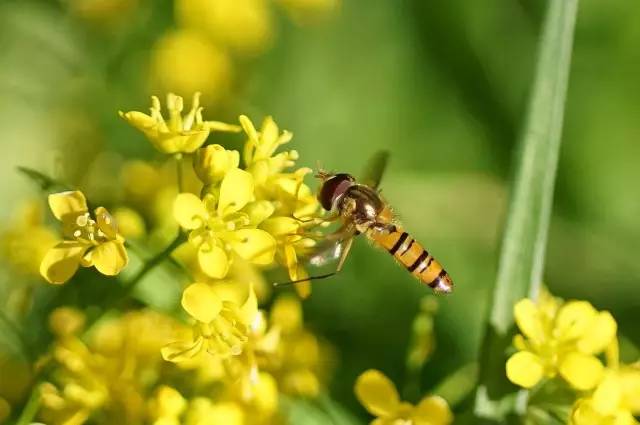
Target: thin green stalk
(525,236)
(179,173)
(150,265)
(31,407)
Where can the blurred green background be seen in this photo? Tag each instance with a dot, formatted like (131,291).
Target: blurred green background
(442,84)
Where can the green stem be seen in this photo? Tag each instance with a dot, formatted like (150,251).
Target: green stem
(152,263)
(179,173)
(525,236)
(31,408)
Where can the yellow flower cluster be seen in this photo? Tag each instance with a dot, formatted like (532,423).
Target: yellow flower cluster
(212,38)
(565,339)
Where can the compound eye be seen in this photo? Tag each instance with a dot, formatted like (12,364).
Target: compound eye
(332,188)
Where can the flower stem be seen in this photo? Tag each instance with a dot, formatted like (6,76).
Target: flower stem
(525,236)
(152,263)
(31,407)
(179,173)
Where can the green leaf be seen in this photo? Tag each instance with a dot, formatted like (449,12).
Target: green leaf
(525,235)
(45,182)
(322,411)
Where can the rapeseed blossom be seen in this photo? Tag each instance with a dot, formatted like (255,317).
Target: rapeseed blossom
(88,241)
(380,397)
(559,338)
(615,400)
(177,134)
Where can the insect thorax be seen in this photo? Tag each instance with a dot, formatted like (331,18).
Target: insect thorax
(361,204)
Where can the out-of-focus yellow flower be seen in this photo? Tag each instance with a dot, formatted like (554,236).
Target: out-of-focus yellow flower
(184,61)
(227,223)
(223,312)
(559,339)
(66,321)
(202,411)
(87,241)
(103,14)
(379,396)
(109,374)
(130,223)
(25,240)
(167,406)
(178,134)
(213,162)
(310,11)
(243,26)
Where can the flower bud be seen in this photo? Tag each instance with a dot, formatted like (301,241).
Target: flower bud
(212,162)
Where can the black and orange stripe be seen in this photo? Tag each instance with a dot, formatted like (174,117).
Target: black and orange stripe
(408,252)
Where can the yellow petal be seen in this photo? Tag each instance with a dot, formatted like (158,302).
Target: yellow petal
(109,258)
(106,222)
(574,319)
(61,262)
(286,313)
(601,332)
(189,211)
(67,203)
(607,396)
(212,162)
(303,289)
(377,393)
(254,245)
(432,410)
(214,262)
(248,127)
(525,369)
(137,119)
(201,302)
(250,307)
(259,211)
(180,351)
(582,371)
(236,191)
(280,226)
(528,319)
(265,393)
(584,414)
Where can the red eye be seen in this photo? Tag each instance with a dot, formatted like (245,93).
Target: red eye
(332,188)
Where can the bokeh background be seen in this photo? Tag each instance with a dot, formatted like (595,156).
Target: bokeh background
(441,84)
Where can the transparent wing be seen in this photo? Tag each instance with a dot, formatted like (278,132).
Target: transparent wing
(375,169)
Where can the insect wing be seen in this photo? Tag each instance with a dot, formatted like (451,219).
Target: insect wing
(375,169)
(327,253)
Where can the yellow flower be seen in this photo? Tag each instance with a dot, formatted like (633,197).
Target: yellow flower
(179,134)
(130,223)
(213,162)
(25,240)
(166,406)
(223,313)
(202,411)
(88,242)
(226,224)
(559,339)
(615,401)
(184,61)
(295,206)
(380,397)
(244,26)
(108,374)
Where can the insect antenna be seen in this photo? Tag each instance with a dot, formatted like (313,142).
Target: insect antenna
(318,277)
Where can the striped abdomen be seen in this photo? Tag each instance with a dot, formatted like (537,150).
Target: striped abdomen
(408,252)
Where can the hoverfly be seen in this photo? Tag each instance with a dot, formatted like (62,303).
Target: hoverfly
(361,210)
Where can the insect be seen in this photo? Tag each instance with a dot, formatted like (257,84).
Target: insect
(361,210)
